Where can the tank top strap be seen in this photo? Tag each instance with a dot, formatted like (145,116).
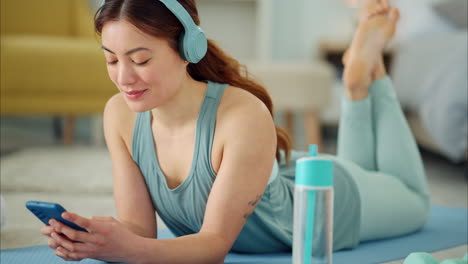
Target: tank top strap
(141,150)
(206,128)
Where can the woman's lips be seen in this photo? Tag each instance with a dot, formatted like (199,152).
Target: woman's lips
(135,94)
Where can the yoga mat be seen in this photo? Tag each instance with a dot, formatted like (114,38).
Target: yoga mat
(447,228)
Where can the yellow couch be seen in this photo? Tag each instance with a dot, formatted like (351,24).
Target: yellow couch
(51,61)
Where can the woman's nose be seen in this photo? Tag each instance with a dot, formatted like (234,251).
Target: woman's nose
(126,76)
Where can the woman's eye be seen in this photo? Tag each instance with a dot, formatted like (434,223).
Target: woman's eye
(141,63)
(112,62)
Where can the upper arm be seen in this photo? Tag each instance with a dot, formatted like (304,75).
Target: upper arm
(133,203)
(248,156)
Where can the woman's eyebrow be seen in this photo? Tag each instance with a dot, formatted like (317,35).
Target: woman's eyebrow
(128,52)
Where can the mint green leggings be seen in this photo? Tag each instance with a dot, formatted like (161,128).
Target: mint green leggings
(388,168)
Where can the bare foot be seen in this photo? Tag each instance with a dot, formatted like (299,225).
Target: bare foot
(376,27)
(377,72)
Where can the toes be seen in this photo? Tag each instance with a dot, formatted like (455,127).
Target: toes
(383,8)
(375,8)
(385,4)
(393,19)
(394,15)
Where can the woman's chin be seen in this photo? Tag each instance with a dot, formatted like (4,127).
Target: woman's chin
(138,107)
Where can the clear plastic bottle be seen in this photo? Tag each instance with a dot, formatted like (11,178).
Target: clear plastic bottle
(313,210)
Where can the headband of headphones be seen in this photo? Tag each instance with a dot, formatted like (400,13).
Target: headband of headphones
(193,44)
(179,11)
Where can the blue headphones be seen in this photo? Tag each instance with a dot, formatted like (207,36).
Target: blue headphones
(192,43)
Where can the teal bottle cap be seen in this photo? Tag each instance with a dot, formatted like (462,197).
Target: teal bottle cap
(314,171)
(313,150)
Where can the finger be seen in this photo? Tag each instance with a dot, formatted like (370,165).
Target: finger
(67,255)
(78,256)
(62,241)
(77,219)
(52,243)
(72,234)
(74,256)
(61,253)
(69,246)
(46,230)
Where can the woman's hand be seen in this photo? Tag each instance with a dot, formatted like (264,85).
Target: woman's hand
(47,231)
(107,239)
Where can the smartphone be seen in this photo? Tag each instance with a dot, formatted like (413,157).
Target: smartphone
(46,211)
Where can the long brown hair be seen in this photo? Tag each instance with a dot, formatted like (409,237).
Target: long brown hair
(153,18)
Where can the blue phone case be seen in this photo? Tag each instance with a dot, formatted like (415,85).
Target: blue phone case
(46,211)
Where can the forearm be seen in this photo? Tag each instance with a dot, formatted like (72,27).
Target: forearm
(197,248)
(138,230)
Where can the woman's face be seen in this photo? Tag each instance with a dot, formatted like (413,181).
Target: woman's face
(145,69)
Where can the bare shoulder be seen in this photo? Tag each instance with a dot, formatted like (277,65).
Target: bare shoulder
(118,120)
(240,109)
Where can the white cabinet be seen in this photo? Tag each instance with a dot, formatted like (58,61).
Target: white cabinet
(242,28)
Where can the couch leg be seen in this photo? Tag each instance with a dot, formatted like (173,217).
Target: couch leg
(69,131)
(313,134)
(289,125)
(57,128)
(97,130)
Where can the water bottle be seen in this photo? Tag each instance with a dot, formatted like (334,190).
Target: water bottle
(313,210)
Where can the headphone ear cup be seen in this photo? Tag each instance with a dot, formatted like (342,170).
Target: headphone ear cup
(183,46)
(193,45)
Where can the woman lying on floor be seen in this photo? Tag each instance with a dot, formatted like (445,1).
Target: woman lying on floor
(196,143)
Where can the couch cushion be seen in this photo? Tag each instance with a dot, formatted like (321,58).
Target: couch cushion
(63,74)
(296,86)
(50,17)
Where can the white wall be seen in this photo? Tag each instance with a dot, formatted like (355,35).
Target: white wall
(94,4)
(296,26)
(300,24)
(231,24)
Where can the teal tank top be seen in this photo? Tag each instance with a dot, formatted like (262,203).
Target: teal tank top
(269,228)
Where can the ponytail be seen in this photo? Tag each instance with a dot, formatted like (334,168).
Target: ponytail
(219,67)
